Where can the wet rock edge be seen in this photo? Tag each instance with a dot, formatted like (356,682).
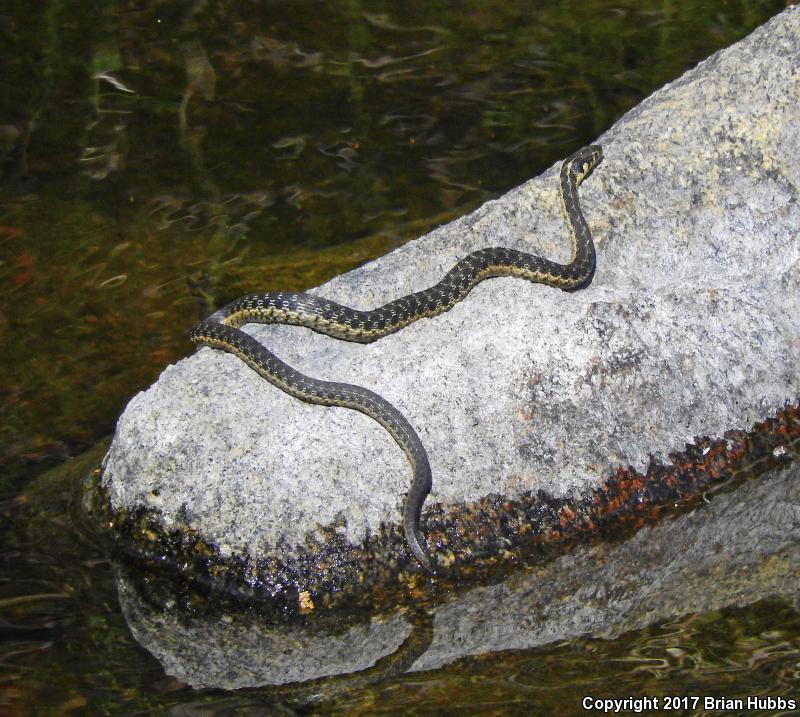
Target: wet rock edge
(472,542)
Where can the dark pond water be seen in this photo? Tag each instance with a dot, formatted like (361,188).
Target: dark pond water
(158,159)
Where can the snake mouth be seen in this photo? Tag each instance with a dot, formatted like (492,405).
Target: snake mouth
(578,166)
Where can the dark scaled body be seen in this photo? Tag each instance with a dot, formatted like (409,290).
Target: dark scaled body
(221,329)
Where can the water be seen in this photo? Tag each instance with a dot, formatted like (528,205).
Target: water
(158,160)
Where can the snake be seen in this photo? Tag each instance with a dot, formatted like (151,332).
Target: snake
(221,330)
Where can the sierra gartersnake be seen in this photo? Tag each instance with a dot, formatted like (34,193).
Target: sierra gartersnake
(221,329)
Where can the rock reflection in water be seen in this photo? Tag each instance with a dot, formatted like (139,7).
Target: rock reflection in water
(237,650)
(740,547)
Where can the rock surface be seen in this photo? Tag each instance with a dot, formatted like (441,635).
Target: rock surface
(690,327)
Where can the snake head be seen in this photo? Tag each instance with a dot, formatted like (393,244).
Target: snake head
(581,164)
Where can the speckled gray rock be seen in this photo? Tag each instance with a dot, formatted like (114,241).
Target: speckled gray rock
(690,328)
